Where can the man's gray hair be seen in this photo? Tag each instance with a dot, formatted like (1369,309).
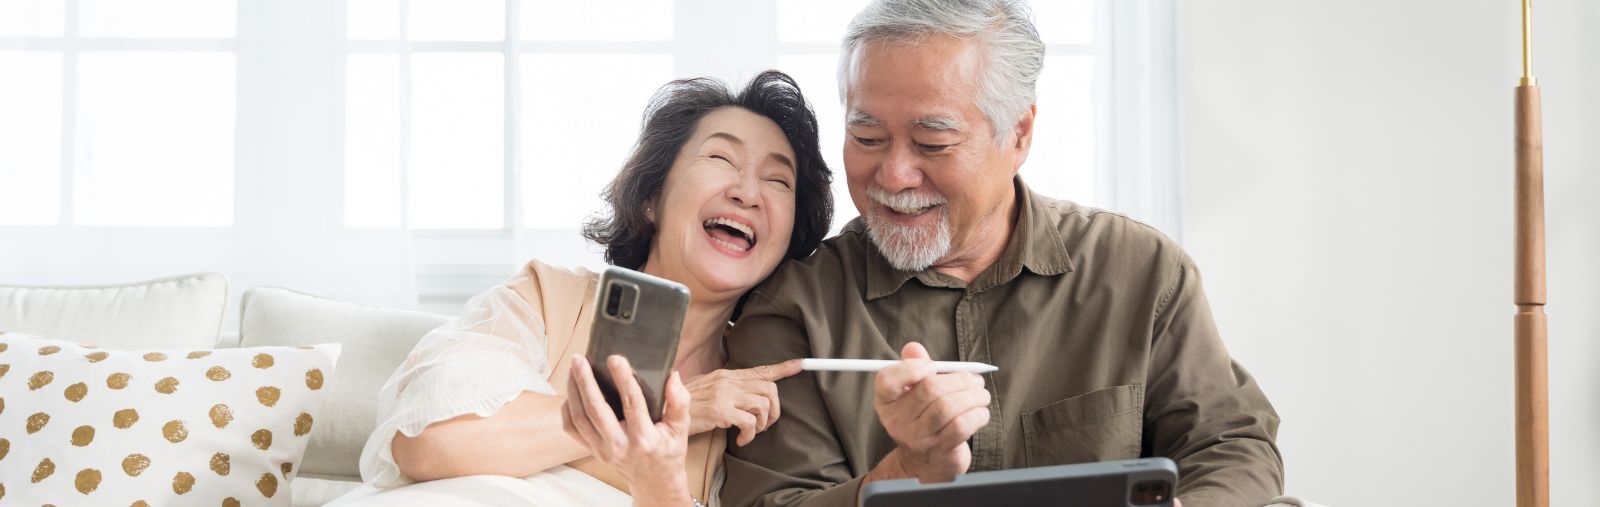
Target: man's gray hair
(1013,54)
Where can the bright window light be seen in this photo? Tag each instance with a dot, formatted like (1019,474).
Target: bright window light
(372,19)
(157,18)
(1064,21)
(32,18)
(457,163)
(372,141)
(1061,162)
(154,142)
(646,20)
(813,21)
(458,20)
(30,138)
(576,133)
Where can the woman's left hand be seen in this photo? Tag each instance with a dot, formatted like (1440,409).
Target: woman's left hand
(650,455)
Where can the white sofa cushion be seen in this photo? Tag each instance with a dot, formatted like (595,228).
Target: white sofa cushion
(146,427)
(179,312)
(375,341)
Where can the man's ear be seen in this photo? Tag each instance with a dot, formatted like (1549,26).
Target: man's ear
(1022,133)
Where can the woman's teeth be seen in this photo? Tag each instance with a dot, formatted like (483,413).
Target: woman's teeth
(741,228)
(730,246)
(734,232)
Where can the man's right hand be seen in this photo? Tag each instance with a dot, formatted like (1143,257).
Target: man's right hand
(929,415)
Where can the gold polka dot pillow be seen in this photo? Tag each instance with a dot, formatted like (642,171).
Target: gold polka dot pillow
(83,426)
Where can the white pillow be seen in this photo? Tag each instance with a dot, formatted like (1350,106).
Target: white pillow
(375,341)
(81,426)
(179,312)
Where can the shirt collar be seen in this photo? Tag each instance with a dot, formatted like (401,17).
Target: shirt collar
(1035,244)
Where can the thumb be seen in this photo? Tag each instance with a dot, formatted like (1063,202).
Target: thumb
(913,350)
(675,410)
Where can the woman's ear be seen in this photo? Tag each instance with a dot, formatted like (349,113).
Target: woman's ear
(651,206)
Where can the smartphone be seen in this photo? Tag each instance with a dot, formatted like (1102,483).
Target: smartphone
(638,317)
(1146,482)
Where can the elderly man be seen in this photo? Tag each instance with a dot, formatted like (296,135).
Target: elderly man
(1098,323)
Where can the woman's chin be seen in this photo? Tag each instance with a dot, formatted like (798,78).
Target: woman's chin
(728,277)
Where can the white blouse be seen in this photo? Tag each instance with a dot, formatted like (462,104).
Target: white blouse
(474,365)
(499,347)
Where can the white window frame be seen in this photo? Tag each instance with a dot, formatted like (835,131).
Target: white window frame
(1137,152)
(284,192)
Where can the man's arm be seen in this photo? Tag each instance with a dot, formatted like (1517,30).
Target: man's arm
(798,460)
(1203,410)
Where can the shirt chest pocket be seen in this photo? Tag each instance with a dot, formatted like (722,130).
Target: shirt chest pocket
(1101,425)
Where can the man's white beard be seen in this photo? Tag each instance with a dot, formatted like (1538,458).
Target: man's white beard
(909,248)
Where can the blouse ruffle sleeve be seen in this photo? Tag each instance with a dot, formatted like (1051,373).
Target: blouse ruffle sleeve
(475,364)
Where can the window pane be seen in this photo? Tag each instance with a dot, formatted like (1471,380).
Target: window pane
(1064,21)
(1058,21)
(156,18)
(31,18)
(815,73)
(580,118)
(1061,162)
(154,141)
(372,19)
(372,141)
(458,20)
(457,141)
(30,138)
(644,20)
(813,21)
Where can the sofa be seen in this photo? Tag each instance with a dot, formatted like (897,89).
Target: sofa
(187,312)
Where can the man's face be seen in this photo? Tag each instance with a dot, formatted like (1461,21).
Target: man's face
(923,166)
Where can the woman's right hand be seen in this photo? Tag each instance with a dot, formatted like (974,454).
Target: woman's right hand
(649,455)
(747,399)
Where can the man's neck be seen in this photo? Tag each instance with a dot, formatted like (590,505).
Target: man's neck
(984,244)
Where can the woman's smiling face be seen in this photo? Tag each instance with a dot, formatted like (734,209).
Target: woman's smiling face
(726,211)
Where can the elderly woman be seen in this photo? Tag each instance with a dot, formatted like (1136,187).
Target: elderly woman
(719,190)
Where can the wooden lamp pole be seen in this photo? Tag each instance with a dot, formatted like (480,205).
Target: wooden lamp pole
(1532,384)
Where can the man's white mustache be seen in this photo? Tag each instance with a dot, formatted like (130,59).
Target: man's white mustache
(907,199)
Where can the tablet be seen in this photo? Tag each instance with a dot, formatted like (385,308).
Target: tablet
(1148,482)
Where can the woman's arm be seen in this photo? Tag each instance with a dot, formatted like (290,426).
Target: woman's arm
(523,438)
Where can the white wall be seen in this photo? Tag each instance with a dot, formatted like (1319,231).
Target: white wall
(1348,172)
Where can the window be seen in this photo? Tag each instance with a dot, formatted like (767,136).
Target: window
(544,103)
(385,150)
(119,114)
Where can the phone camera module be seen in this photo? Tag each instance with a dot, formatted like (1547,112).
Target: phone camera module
(613,300)
(1151,493)
(620,301)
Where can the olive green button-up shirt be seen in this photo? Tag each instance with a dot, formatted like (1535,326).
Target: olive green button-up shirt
(1099,325)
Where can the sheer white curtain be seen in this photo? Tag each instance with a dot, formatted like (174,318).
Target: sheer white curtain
(402,151)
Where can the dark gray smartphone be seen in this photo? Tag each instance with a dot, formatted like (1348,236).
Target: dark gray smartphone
(1147,482)
(639,317)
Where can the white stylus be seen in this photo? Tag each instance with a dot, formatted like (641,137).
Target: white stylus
(813,364)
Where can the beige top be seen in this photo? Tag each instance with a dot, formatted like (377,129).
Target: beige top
(510,339)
